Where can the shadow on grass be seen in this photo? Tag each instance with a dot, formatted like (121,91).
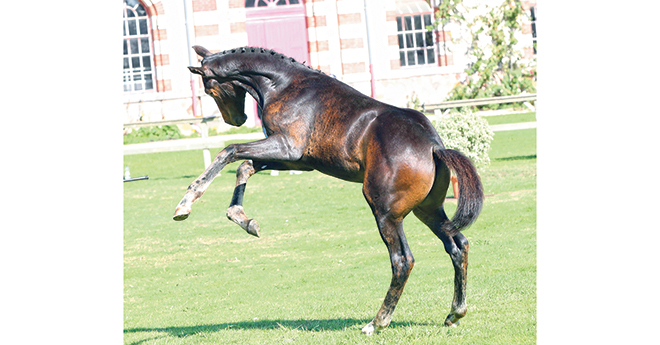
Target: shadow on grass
(303,325)
(515,158)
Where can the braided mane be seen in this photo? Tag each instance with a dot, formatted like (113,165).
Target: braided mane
(273,54)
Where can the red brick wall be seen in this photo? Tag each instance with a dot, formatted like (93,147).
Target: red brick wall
(356,67)
(351,18)
(236,3)
(237,27)
(203,5)
(162,59)
(164,85)
(446,60)
(393,40)
(443,36)
(156,9)
(207,30)
(160,34)
(351,43)
(318,46)
(316,21)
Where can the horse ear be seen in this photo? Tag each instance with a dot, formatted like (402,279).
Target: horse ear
(201,51)
(197,70)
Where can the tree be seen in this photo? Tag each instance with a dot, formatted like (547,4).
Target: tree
(497,67)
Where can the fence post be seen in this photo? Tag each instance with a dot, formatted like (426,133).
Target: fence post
(204,126)
(438,115)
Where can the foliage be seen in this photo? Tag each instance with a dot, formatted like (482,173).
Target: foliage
(413,102)
(168,132)
(468,133)
(236,130)
(497,67)
(152,133)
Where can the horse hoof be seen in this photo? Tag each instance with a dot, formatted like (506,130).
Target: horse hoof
(253,228)
(181,213)
(451,321)
(369,329)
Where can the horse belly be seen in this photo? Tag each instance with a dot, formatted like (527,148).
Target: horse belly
(341,168)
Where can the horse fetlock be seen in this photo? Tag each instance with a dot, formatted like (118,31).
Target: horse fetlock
(237,215)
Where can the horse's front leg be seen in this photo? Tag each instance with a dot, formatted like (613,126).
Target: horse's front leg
(198,187)
(273,148)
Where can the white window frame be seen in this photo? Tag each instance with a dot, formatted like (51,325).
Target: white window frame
(138,56)
(270,3)
(416,43)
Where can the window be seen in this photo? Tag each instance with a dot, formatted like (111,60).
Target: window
(416,44)
(138,54)
(269,3)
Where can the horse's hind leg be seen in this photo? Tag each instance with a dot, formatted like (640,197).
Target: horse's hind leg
(457,247)
(402,261)
(235,211)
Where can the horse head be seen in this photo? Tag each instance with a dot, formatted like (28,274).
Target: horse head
(228,94)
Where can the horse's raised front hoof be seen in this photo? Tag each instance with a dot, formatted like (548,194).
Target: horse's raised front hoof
(370,329)
(181,213)
(253,228)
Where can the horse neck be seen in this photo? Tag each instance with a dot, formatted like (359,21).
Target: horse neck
(265,76)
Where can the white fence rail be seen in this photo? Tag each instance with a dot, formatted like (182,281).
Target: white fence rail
(205,143)
(438,107)
(481,101)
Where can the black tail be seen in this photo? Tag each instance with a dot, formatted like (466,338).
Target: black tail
(470,191)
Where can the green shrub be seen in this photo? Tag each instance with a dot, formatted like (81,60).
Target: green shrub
(153,133)
(468,133)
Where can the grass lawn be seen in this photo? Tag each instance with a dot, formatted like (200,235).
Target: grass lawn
(320,271)
(511,118)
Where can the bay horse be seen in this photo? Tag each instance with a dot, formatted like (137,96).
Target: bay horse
(315,122)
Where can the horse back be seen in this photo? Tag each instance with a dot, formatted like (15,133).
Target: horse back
(335,124)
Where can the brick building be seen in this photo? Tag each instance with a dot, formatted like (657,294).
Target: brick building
(380,47)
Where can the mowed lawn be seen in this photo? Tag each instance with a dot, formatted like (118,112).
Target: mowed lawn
(320,270)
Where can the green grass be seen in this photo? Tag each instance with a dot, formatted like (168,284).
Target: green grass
(320,271)
(511,118)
